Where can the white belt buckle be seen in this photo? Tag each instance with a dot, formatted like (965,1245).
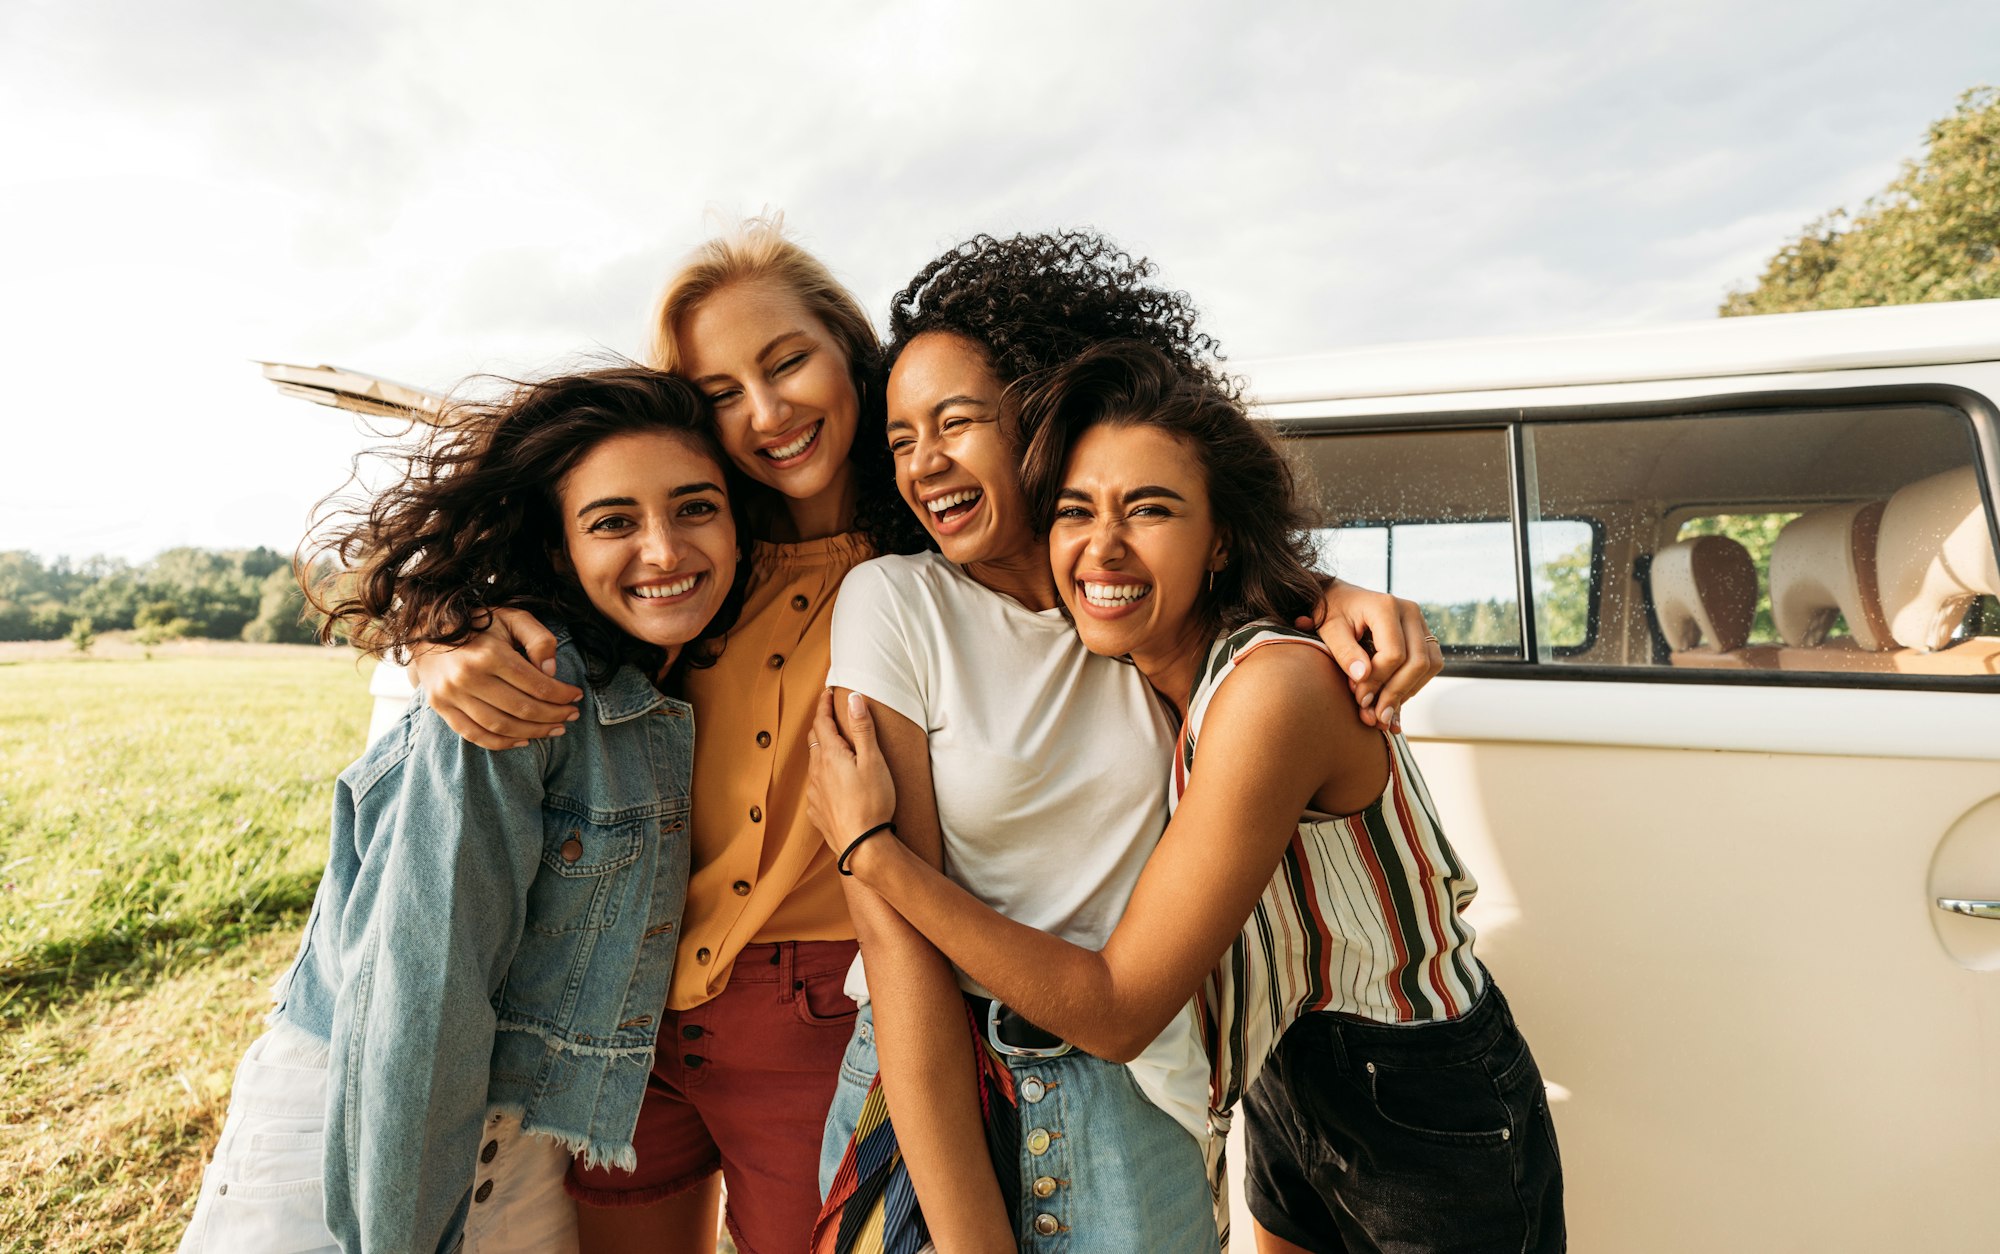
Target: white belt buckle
(993,1008)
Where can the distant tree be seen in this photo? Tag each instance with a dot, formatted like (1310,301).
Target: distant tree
(1931,235)
(159,620)
(81,637)
(281,613)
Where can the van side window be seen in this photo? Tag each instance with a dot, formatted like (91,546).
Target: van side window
(1427,515)
(1827,545)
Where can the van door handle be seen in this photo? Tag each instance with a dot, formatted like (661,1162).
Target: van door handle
(1977,909)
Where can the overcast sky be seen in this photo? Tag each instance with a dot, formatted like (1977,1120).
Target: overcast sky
(423,190)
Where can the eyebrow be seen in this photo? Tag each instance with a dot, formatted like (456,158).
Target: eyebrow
(1136,494)
(960,399)
(762,353)
(686,489)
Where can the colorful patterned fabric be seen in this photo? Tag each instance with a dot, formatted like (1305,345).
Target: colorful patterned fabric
(871,1207)
(1365,915)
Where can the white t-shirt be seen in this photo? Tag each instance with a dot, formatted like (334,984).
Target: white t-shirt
(1049,763)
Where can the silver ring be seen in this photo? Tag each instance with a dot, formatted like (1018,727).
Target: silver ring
(1432,639)
(812,744)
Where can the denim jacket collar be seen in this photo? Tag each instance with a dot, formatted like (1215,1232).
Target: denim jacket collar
(627,695)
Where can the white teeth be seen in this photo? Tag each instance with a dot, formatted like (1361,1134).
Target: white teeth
(673,589)
(949,499)
(1115,594)
(796,447)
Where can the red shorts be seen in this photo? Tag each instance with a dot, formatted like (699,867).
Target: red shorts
(742,1084)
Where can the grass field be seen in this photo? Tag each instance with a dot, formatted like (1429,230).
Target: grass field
(162,825)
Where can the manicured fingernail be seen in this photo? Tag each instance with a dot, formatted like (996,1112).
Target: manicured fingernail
(1387,716)
(857,705)
(519,744)
(1367,699)
(549,667)
(572,716)
(558,731)
(1359,670)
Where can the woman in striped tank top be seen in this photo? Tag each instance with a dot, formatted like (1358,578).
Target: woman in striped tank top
(1393,1104)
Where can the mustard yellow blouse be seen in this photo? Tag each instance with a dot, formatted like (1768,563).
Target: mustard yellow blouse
(761,872)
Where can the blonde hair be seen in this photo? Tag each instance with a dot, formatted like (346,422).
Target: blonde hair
(758,250)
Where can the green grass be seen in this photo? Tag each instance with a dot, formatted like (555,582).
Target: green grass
(155,812)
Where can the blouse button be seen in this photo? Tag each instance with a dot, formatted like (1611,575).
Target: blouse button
(763,740)
(701,955)
(741,888)
(492,1148)
(777,660)
(756,814)
(799,602)
(572,849)
(485,1191)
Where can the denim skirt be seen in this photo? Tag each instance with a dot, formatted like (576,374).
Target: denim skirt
(1103,1170)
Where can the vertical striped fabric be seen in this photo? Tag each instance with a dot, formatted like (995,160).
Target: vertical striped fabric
(1364,916)
(871,1206)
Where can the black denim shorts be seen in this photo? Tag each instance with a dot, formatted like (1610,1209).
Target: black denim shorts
(1368,1137)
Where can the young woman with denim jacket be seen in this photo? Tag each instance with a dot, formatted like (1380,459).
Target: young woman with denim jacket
(791,364)
(1399,1107)
(477,993)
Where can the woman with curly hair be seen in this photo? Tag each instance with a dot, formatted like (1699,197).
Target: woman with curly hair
(1399,1107)
(475,997)
(755,1009)
(1028,770)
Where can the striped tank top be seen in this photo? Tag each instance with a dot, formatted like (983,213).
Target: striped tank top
(1365,915)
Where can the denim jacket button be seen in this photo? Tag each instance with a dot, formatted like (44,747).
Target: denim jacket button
(572,849)
(1047,1225)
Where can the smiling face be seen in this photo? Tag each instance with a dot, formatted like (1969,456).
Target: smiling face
(1133,542)
(784,398)
(647,529)
(956,463)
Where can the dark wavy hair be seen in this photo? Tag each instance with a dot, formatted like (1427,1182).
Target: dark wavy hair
(473,523)
(1253,493)
(1033,302)
(758,250)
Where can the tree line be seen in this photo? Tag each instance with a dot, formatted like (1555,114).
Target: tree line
(217,594)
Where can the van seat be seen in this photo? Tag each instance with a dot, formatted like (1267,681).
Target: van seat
(1705,597)
(1934,556)
(1823,566)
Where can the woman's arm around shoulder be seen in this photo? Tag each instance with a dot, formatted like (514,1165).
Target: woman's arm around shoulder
(498,689)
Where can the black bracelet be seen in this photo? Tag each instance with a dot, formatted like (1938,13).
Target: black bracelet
(841,864)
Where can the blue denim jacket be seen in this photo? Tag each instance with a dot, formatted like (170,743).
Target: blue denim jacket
(494,931)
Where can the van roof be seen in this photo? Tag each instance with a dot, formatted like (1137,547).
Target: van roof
(1835,339)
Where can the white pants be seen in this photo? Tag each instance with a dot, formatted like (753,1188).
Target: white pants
(262,1193)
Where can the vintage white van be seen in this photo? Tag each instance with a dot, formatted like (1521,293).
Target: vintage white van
(1719,733)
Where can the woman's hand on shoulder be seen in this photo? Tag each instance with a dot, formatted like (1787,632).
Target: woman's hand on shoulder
(850,788)
(1400,654)
(492,695)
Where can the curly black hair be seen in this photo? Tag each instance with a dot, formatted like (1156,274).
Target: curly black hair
(1032,302)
